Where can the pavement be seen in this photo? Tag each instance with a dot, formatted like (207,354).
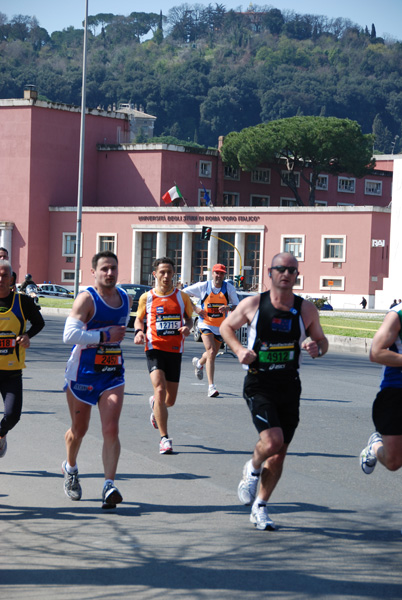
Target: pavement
(180,532)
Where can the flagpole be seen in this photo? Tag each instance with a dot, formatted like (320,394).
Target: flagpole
(81,158)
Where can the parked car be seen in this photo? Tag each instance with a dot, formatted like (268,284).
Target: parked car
(134,290)
(321,303)
(197,333)
(56,291)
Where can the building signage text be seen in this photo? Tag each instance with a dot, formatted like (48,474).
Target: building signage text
(200,218)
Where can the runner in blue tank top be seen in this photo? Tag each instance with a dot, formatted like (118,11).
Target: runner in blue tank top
(95,372)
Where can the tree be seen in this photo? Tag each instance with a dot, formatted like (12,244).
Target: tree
(309,145)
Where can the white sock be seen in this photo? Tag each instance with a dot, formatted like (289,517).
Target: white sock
(252,471)
(199,365)
(260,502)
(108,481)
(71,469)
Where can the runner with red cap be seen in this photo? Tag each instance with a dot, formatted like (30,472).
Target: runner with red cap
(217,298)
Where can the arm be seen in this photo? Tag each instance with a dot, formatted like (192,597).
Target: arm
(188,321)
(32,314)
(383,339)
(197,290)
(318,343)
(139,336)
(244,313)
(233,300)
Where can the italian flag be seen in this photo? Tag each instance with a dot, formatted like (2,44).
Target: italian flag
(171,195)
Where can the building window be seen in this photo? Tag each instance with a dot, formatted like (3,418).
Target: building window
(230,199)
(320,203)
(256,200)
(322,182)
(299,284)
(288,202)
(173,250)
(232,173)
(346,184)
(261,176)
(69,244)
(287,176)
(148,255)
(226,253)
(332,283)
(201,197)
(107,241)
(69,276)
(344,204)
(252,259)
(373,188)
(333,248)
(293,244)
(205,168)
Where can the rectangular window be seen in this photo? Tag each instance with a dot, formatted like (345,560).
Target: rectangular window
(373,188)
(230,199)
(69,276)
(320,203)
(333,248)
(344,204)
(205,168)
(347,185)
(201,197)
(322,182)
(332,283)
(293,244)
(299,285)
(107,241)
(69,244)
(256,200)
(287,176)
(232,173)
(261,176)
(288,202)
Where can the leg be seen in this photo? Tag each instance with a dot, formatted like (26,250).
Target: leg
(80,417)
(11,390)
(110,405)
(389,453)
(270,450)
(212,346)
(165,393)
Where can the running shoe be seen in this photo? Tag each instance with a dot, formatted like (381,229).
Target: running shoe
(212,391)
(260,517)
(110,496)
(3,446)
(199,371)
(152,417)
(368,459)
(165,446)
(72,487)
(247,489)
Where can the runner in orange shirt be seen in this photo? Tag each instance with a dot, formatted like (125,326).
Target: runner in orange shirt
(167,312)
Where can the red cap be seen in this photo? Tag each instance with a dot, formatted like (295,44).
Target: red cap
(219,268)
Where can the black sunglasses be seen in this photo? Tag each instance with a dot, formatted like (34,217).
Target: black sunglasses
(282,269)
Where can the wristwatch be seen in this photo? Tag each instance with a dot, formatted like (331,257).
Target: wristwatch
(319,352)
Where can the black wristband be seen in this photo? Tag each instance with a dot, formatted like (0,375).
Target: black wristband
(137,330)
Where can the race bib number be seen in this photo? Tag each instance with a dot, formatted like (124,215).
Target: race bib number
(108,359)
(7,342)
(213,310)
(276,354)
(168,324)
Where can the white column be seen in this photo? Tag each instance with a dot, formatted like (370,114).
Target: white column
(136,256)
(212,254)
(161,244)
(240,243)
(6,237)
(186,254)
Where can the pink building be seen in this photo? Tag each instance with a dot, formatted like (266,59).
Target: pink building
(342,243)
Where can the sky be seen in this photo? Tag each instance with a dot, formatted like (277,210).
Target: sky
(54,15)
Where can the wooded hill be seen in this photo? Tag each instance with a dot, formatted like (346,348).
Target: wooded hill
(204,72)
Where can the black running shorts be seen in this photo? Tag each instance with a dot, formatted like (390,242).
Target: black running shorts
(387,411)
(274,402)
(168,362)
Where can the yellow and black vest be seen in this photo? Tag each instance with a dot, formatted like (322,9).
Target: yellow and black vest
(12,324)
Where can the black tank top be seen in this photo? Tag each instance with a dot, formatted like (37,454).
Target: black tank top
(277,341)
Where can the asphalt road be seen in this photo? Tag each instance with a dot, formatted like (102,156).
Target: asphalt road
(180,532)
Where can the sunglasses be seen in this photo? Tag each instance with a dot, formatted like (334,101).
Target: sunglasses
(282,269)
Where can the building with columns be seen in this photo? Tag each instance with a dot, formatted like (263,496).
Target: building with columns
(342,243)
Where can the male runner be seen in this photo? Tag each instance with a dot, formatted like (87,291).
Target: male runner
(278,322)
(217,297)
(167,311)
(385,444)
(15,310)
(95,372)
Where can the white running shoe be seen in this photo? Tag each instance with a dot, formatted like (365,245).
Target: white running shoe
(368,459)
(247,489)
(260,517)
(212,391)
(165,446)
(199,371)
(152,417)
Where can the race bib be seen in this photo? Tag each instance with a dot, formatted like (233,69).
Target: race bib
(168,324)
(7,342)
(108,359)
(213,310)
(276,354)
